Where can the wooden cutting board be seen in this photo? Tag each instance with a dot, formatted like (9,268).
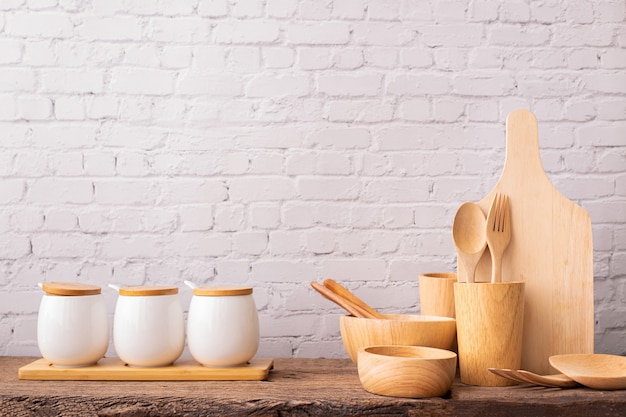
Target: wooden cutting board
(113,369)
(551,250)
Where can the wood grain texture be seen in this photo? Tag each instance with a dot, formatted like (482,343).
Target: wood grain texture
(70,288)
(556,380)
(469,236)
(489,320)
(526,377)
(297,387)
(344,303)
(396,329)
(406,371)
(222,291)
(498,233)
(607,372)
(141,291)
(551,250)
(113,369)
(437,294)
(342,291)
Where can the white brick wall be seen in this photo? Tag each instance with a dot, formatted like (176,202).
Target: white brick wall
(275,142)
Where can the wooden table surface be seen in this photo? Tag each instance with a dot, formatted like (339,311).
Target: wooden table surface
(299,387)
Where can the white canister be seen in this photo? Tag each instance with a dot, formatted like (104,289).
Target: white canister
(72,325)
(222,326)
(149,327)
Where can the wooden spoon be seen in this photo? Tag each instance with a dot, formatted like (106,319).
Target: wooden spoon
(597,371)
(469,234)
(342,291)
(342,302)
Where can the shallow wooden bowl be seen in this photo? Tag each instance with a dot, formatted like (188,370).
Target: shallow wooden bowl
(396,329)
(406,371)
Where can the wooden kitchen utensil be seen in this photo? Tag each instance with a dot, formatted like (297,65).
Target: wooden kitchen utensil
(469,236)
(347,305)
(554,380)
(550,250)
(498,233)
(339,289)
(507,373)
(606,372)
(489,319)
(526,377)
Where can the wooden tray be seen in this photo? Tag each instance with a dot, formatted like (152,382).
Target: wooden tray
(113,369)
(551,250)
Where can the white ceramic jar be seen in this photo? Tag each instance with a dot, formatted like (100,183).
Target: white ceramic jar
(148,327)
(222,326)
(72,325)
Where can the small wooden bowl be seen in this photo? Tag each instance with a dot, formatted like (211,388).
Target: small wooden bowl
(406,371)
(396,329)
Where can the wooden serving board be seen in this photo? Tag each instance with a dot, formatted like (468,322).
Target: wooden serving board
(113,369)
(551,249)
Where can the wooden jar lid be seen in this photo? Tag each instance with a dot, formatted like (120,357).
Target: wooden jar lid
(70,288)
(147,291)
(222,291)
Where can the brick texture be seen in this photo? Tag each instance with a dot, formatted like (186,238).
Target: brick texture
(275,142)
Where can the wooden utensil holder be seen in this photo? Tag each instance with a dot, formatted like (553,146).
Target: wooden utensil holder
(490,320)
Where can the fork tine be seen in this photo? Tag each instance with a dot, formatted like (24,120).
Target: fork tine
(492,220)
(496,218)
(507,214)
(501,212)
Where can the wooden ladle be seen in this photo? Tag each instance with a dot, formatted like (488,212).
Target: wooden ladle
(469,234)
(597,371)
(345,299)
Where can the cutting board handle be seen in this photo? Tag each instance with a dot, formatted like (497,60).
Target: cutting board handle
(522,145)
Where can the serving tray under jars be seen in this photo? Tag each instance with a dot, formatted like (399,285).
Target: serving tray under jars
(114,369)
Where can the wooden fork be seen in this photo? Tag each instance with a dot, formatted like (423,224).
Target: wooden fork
(498,233)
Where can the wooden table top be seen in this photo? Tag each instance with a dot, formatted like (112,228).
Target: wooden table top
(309,387)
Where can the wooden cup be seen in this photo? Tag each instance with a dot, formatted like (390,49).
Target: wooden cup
(490,320)
(437,294)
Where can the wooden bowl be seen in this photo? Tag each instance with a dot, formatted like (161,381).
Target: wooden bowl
(406,371)
(396,329)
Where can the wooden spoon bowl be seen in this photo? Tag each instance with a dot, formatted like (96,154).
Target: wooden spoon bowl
(597,371)
(469,233)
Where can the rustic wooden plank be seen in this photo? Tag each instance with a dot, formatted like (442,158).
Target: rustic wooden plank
(307,387)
